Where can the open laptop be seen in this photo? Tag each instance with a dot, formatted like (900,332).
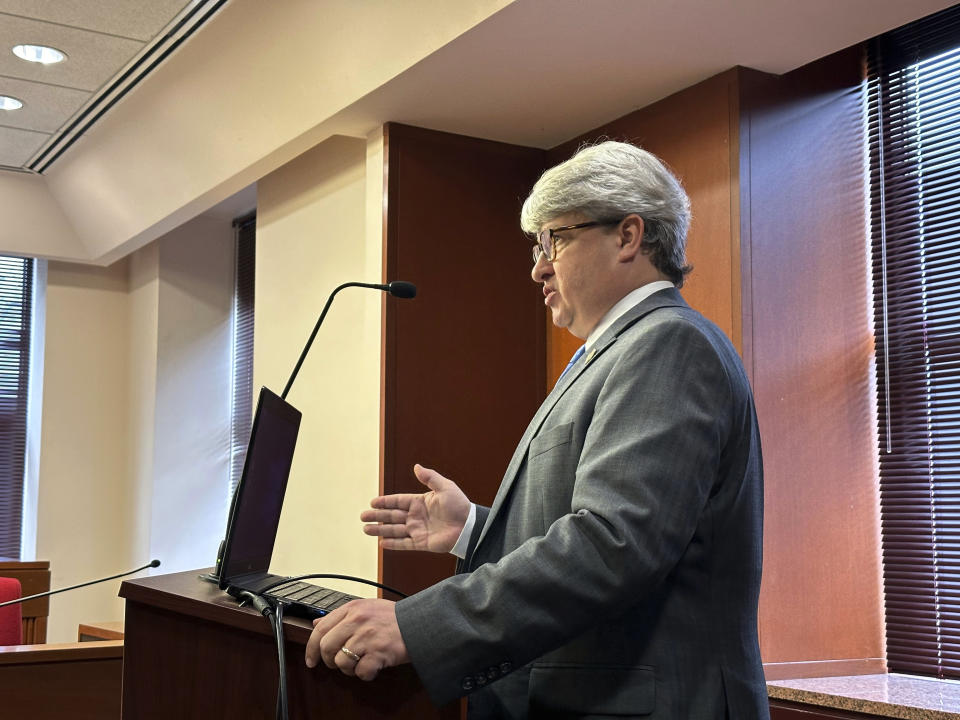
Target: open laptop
(255,515)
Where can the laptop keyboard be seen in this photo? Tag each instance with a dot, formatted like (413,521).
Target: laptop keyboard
(321,599)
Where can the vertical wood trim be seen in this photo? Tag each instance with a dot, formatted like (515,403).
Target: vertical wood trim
(29,628)
(385,357)
(742,187)
(388,354)
(736,242)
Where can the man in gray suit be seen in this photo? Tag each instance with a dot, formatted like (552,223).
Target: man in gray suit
(618,570)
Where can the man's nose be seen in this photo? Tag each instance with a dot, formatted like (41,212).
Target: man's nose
(542,268)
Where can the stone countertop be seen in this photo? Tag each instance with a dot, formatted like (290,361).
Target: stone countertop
(891,695)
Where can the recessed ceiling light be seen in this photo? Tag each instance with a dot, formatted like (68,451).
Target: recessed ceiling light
(9,103)
(39,54)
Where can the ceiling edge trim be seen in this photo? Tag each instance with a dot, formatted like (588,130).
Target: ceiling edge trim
(148,59)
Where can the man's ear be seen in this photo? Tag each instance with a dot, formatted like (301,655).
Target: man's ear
(631,237)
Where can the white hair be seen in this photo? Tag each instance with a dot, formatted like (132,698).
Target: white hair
(607,182)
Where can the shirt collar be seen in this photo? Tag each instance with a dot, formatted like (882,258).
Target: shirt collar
(631,299)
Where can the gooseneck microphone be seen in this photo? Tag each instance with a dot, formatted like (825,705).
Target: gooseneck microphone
(397,288)
(151,564)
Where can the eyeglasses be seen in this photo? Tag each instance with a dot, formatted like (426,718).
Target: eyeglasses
(545,240)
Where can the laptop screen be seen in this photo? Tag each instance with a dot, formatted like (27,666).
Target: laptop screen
(258,501)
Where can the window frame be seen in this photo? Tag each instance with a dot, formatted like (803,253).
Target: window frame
(17,295)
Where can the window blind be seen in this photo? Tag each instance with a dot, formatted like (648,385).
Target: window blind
(242,395)
(16,293)
(914,144)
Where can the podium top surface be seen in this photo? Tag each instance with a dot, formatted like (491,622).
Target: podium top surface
(186,592)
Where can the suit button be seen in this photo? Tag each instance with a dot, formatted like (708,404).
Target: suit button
(467,683)
(493,673)
(505,667)
(481,679)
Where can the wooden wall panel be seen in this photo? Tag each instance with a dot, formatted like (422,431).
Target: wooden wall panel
(463,362)
(696,132)
(774,168)
(812,357)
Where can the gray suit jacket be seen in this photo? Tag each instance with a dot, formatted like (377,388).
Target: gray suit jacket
(618,570)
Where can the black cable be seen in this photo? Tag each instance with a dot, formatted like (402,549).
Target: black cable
(275,616)
(333,576)
(282,655)
(260,604)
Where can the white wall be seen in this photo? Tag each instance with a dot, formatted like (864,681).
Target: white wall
(83,486)
(135,425)
(312,235)
(141,337)
(191,462)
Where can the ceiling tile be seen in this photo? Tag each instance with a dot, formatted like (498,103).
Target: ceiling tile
(136,19)
(45,107)
(92,58)
(18,146)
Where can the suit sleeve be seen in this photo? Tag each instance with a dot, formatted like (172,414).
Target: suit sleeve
(649,460)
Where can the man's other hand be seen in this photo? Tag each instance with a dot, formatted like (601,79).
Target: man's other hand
(359,639)
(430,521)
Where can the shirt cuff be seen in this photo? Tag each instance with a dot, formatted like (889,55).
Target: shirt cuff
(463,542)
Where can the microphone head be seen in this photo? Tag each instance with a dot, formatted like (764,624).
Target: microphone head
(402,289)
(154,563)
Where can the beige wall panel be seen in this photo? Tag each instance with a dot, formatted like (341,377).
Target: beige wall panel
(311,237)
(83,463)
(143,319)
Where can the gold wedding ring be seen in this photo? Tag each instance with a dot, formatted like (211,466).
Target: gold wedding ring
(350,654)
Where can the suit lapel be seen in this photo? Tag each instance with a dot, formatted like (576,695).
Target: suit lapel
(664,298)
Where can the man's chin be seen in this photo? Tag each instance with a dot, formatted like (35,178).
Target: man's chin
(559,320)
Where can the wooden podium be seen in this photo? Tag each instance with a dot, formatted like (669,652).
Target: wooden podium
(191,652)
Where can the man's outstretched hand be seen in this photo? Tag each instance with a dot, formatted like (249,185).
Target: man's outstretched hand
(430,521)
